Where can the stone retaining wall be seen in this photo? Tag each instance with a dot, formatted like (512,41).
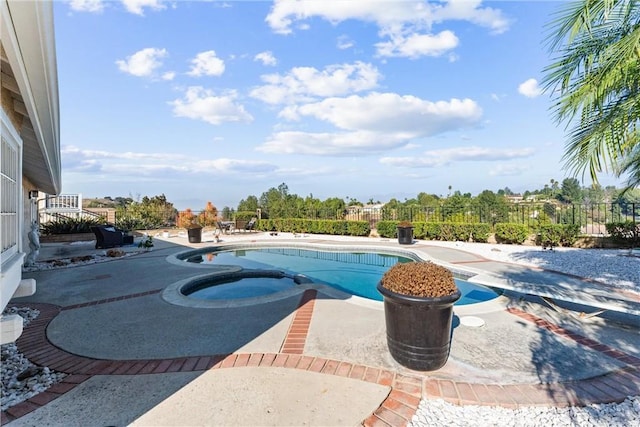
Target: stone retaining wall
(63,238)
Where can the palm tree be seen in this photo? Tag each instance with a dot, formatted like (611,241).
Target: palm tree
(596,80)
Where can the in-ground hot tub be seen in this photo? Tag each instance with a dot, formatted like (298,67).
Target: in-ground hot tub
(241,284)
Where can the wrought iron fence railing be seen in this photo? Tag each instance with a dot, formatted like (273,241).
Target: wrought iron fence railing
(591,218)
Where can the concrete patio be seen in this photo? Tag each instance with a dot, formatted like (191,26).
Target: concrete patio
(313,358)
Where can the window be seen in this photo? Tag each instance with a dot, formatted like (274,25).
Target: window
(10,187)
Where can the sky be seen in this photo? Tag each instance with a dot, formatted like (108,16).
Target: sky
(215,101)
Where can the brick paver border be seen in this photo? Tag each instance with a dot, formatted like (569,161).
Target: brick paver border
(407,388)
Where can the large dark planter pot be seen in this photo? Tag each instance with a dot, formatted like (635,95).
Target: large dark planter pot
(405,235)
(195,234)
(418,329)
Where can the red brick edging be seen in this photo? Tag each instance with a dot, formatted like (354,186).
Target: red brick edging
(397,409)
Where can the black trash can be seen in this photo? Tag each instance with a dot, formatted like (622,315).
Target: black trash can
(405,235)
(195,234)
(418,328)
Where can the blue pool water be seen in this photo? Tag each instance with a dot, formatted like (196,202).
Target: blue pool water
(356,273)
(246,287)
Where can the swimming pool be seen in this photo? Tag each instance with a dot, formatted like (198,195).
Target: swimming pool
(354,272)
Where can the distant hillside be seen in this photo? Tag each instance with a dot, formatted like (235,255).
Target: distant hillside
(105,202)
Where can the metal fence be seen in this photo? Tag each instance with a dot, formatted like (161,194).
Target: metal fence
(65,206)
(590,217)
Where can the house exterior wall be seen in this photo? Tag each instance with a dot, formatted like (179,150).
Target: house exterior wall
(30,139)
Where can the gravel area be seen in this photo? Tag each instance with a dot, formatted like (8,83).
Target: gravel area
(440,413)
(615,267)
(21,379)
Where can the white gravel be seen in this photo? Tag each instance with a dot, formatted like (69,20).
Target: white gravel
(37,379)
(615,267)
(440,413)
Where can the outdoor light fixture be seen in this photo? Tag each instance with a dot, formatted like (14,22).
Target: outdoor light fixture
(33,194)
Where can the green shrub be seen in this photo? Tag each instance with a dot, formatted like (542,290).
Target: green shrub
(448,231)
(480,232)
(311,226)
(627,232)
(388,229)
(570,235)
(429,231)
(129,224)
(245,215)
(550,235)
(69,225)
(511,233)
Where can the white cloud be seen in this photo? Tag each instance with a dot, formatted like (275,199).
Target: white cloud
(330,144)
(137,6)
(284,12)
(201,104)
(392,113)
(143,63)
(345,42)
(530,88)
(308,83)
(170,75)
(434,158)
(146,164)
(508,170)
(470,10)
(371,124)
(93,6)
(403,22)
(266,58)
(207,64)
(104,154)
(416,45)
(234,166)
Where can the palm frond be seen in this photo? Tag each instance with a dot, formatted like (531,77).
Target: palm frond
(595,80)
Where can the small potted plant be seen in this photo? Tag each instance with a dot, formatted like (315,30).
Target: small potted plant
(405,232)
(418,304)
(146,242)
(194,231)
(188,220)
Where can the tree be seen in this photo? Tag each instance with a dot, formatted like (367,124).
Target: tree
(227,213)
(594,194)
(273,201)
(425,199)
(149,213)
(209,216)
(248,204)
(492,207)
(596,78)
(571,192)
(334,205)
(455,205)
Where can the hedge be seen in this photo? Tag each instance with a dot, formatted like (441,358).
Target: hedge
(313,226)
